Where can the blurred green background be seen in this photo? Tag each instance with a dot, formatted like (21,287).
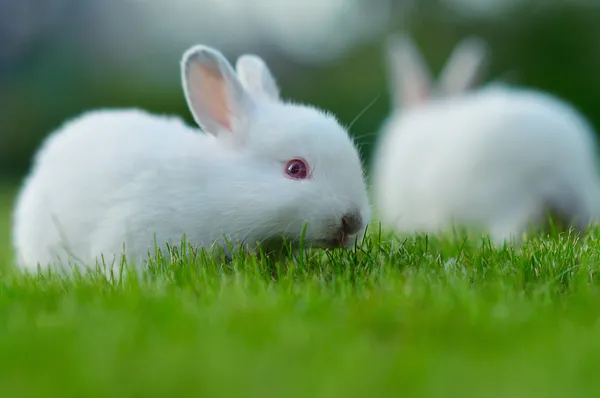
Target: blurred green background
(60,57)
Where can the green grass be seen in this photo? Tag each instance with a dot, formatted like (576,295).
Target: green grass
(425,317)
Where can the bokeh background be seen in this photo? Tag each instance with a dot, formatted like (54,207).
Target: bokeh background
(61,57)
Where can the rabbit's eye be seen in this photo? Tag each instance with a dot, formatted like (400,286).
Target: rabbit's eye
(296,169)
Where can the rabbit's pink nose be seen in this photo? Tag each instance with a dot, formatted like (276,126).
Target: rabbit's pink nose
(352,223)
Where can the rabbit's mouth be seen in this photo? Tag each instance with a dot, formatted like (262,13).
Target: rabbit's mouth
(346,232)
(341,240)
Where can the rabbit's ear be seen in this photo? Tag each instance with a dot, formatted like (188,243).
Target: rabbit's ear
(465,67)
(215,96)
(408,72)
(257,78)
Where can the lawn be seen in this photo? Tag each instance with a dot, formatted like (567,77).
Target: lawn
(421,317)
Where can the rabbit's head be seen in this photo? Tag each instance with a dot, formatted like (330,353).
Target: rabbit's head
(296,168)
(410,78)
(420,105)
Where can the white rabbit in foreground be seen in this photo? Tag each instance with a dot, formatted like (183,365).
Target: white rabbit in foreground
(498,158)
(110,182)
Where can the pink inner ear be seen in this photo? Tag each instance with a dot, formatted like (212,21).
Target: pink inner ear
(210,93)
(422,96)
(416,97)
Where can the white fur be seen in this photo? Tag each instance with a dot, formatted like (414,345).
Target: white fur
(497,157)
(117,179)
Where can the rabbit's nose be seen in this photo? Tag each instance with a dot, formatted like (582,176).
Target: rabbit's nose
(352,223)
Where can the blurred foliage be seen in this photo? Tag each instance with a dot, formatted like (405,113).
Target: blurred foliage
(551,46)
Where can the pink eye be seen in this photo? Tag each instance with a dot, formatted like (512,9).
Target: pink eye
(296,169)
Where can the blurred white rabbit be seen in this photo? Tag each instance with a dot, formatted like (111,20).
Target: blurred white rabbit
(499,158)
(113,182)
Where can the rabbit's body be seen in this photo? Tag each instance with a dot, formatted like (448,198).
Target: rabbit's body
(114,183)
(138,171)
(499,158)
(520,154)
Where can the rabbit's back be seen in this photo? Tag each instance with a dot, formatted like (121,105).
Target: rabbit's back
(104,168)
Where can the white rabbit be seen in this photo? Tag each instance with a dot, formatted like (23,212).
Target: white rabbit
(110,182)
(498,158)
